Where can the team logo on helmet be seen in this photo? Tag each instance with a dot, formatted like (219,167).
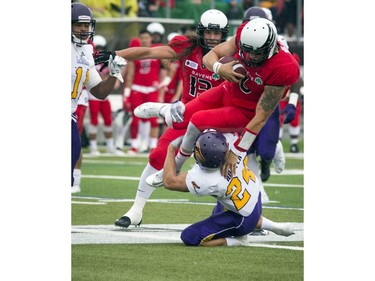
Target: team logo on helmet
(198,154)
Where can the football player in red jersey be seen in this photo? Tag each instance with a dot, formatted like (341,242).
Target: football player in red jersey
(142,84)
(189,50)
(292,108)
(102,107)
(241,103)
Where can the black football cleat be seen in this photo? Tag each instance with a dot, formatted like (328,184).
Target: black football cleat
(125,222)
(265,172)
(294,148)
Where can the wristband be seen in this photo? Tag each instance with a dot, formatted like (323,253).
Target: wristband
(127,92)
(243,143)
(216,67)
(166,81)
(293,98)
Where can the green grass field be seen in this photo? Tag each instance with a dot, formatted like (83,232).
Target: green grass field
(99,203)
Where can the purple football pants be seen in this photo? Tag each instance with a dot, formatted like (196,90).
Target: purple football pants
(266,141)
(221,224)
(76,147)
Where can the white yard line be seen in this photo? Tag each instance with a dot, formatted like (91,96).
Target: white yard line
(164,201)
(286,172)
(165,233)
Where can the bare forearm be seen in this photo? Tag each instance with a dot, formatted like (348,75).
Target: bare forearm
(169,166)
(139,53)
(209,59)
(223,49)
(266,105)
(171,180)
(104,88)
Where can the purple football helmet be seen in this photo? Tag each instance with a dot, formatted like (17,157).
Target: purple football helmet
(254,13)
(210,150)
(82,14)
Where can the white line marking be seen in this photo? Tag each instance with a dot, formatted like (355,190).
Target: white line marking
(295,248)
(299,155)
(175,201)
(88,203)
(138,178)
(164,233)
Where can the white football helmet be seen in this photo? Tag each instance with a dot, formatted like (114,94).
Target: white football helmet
(171,35)
(212,20)
(99,41)
(155,27)
(258,36)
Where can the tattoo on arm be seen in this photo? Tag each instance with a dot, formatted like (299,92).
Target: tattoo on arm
(271,97)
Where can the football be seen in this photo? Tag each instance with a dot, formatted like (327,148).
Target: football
(238,67)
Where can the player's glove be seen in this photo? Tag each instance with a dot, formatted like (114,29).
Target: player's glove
(103,56)
(290,113)
(177,111)
(115,67)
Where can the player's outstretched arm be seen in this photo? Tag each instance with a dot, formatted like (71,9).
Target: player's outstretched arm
(171,180)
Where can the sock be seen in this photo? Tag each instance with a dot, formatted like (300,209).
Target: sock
(188,141)
(77,176)
(153,142)
(294,140)
(110,144)
(144,191)
(93,145)
(267,224)
(134,143)
(180,160)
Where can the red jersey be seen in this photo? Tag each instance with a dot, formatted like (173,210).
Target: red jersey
(171,89)
(146,72)
(194,72)
(279,70)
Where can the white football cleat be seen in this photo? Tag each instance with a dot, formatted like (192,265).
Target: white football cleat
(283,229)
(95,152)
(279,159)
(150,109)
(76,189)
(116,152)
(156,179)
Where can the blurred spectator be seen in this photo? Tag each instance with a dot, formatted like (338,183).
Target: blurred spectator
(157,31)
(285,15)
(112,8)
(246,4)
(148,8)
(130,9)
(234,11)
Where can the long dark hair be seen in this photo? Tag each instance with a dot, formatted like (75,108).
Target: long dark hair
(192,38)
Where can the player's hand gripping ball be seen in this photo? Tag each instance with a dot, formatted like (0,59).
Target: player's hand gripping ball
(238,67)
